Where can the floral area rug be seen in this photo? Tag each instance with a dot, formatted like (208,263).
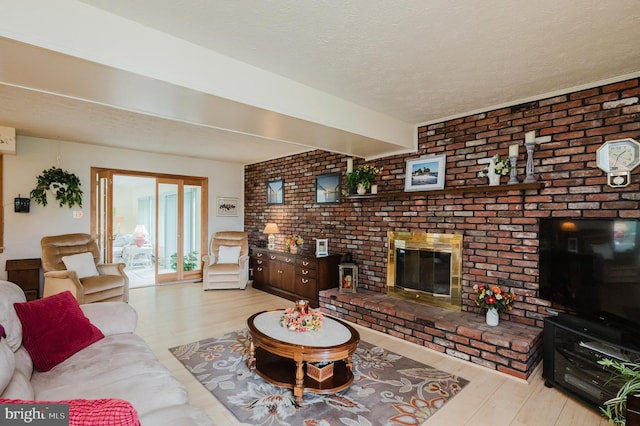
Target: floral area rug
(388,389)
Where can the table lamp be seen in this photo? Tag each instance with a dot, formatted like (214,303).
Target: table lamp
(140,234)
(270,229)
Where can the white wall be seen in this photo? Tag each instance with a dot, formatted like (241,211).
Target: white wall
(23,231)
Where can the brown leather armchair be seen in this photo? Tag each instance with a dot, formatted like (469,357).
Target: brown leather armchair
(111,283)
(227,265)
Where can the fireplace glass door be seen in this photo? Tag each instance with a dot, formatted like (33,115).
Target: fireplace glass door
(424,270)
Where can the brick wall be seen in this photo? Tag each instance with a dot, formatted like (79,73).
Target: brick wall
(500,228)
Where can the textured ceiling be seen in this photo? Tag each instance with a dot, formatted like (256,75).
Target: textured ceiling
(415,61)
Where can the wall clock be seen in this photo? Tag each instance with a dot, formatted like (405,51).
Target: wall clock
(618,158)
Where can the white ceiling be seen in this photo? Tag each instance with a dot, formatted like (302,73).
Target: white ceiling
(250,80)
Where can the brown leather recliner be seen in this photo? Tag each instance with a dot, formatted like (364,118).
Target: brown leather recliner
(111,283)
(230,269)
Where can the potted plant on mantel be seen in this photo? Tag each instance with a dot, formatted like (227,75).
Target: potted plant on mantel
(360,180)
(65,185)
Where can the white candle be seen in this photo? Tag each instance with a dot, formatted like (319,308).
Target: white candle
(513,150)
(349,165)
(530,136)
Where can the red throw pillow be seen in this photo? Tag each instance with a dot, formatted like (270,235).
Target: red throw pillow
(88,412)
(54,328)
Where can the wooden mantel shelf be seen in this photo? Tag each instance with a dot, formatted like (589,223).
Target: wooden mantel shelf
(453,190)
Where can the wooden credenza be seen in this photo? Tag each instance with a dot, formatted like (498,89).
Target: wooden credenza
(294,276)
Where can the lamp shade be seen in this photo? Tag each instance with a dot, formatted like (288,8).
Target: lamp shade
(271,228)
(140,230)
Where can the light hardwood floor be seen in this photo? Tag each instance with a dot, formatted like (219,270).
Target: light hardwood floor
(172,315)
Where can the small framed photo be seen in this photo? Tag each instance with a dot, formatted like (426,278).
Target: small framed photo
(226,206)
(322,247)
(348,273)
(328,188)
(275,192)
(425,173)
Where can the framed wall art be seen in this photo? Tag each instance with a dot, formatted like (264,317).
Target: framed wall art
(226,206)
(328,188)
(275,192)
(322,247)
(425,173)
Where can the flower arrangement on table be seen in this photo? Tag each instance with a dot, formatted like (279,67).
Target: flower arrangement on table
(364,175)
(295,320)
(492,297)
(295,240)
(497,166)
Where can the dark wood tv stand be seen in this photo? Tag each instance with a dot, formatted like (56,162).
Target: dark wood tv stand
(572,347)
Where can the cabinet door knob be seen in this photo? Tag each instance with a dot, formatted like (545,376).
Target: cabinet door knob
(305,272)
(260,269)
(305,263)
(280,272)
(273,257)
(259,254)
(305,281)
(259,262)
(289,260)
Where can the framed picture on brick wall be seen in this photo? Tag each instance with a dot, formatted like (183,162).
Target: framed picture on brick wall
(275,192)
(328,188)
(425,173)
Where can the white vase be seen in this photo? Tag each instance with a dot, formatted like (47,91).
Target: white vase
(293,249)
(361,189)
(494,179)
(493,317)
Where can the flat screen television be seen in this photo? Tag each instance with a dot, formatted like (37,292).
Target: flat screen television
(591,266)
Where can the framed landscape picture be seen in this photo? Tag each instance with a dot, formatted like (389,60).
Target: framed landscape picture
(226,206)
(275,192)
(328,188)
(425,173)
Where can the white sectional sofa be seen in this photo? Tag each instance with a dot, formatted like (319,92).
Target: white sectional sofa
(120,365)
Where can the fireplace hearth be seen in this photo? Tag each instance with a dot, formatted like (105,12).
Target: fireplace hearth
(425,267)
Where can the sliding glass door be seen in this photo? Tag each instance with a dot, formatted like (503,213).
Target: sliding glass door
(151,222)
(179,229)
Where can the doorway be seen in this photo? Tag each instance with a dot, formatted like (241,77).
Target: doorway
(153,223)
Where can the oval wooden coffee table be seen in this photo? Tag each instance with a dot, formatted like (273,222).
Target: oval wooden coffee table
(280,356)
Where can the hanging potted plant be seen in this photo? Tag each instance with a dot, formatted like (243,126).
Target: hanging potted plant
(65,186)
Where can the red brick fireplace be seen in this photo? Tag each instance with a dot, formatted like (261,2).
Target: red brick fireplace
(429,313)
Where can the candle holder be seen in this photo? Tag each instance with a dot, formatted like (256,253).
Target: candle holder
(513,178)
(529,168)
